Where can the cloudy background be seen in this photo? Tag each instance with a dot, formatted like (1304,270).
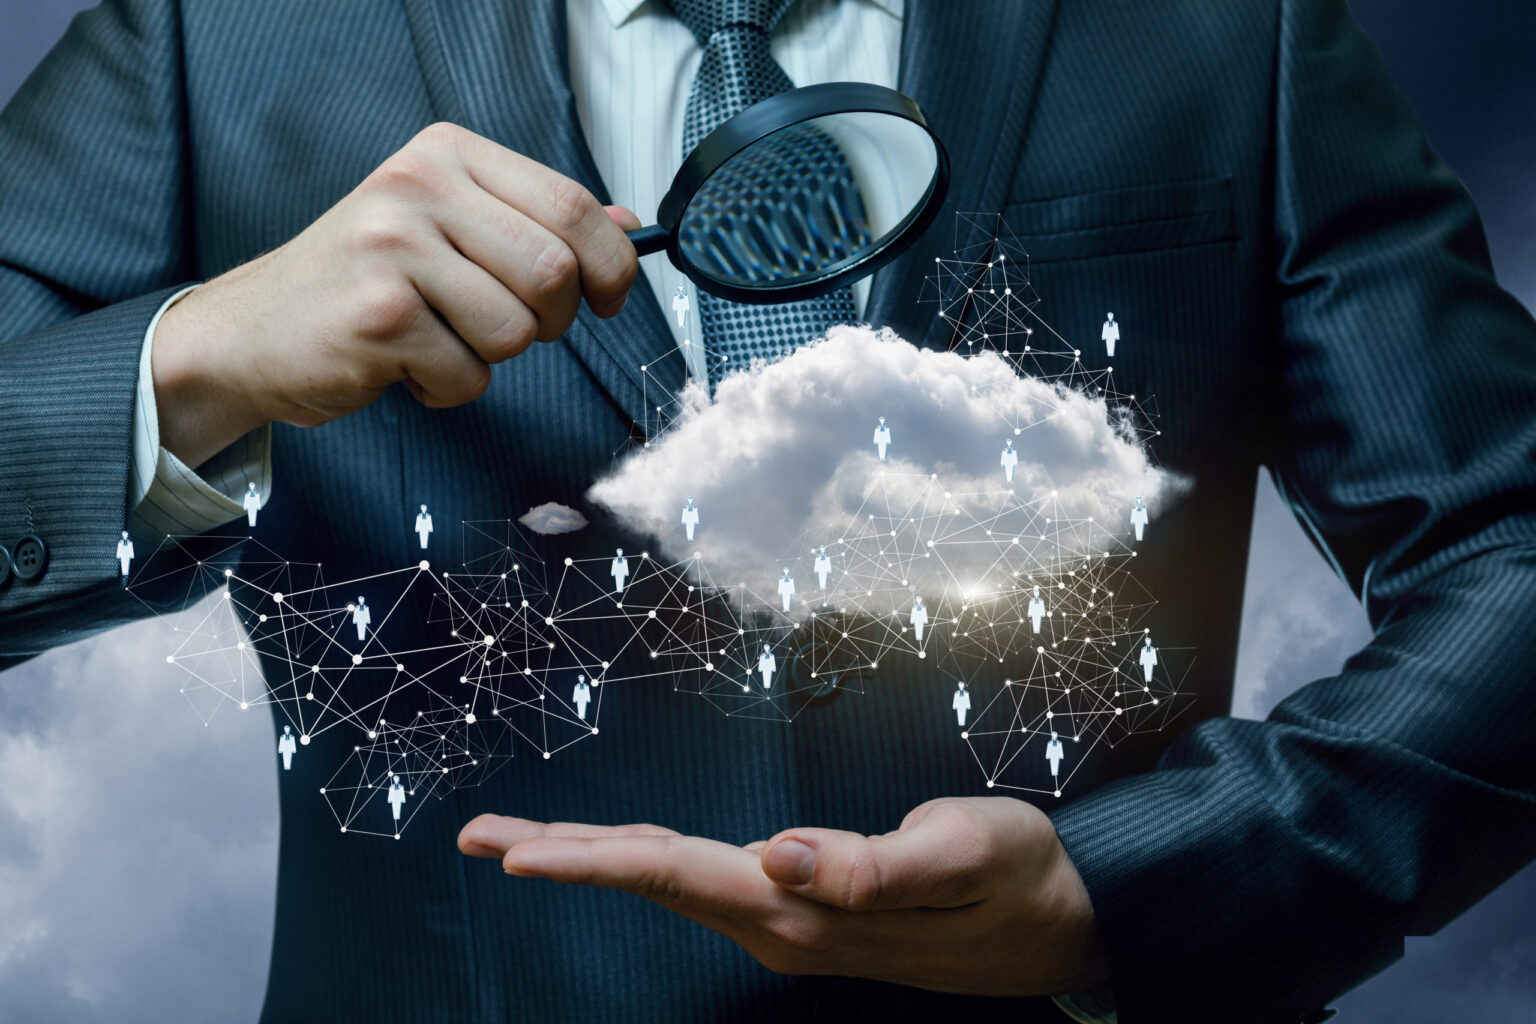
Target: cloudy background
(137,847)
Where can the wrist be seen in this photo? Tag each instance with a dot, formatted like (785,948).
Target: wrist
(201,399)
(1084,965)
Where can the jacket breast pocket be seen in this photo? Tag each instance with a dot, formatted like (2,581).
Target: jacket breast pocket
(1117,221)
(1170,263)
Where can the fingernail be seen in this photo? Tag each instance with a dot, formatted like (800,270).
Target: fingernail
(791,862)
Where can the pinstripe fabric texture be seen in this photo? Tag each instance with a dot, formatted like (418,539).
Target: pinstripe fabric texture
(1302,286)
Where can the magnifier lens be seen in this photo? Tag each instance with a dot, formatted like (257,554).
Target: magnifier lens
(809,200)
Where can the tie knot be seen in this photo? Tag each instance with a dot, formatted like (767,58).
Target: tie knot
(704,18)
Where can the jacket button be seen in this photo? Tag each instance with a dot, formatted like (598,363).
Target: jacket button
(5,566)
(29,557)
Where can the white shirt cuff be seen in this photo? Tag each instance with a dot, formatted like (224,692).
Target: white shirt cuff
(166,497)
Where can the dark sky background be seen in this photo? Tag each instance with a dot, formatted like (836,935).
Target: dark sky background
(137,848)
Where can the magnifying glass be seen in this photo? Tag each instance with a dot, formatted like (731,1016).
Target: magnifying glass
(802,193)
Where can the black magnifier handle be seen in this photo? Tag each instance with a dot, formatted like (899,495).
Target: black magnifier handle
(648,240)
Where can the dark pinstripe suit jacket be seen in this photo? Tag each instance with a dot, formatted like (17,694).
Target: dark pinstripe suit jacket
(1238,178)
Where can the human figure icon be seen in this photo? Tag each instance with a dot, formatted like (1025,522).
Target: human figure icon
(124,553)
(882,438)
(396,796)
(1036,610)
(690,517)
(252,503)
(287,745)
(1110,334)
(681,304)
(786,588)
(919,617)
(1054,754)
(767,664)
(362,618)
(581,697)
(423,526)
(619,571)
(823,566)
(961,704)
(1139,517)
(1148,658)
(1010,459)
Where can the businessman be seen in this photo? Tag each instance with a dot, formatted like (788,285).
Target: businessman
(224,224)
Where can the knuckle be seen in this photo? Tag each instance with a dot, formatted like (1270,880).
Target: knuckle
(387,307)
(659,883)
(802,934)
(469,386)
(661,886)
(613,279)
(512,335)
(554,271)
(569,205)
(440,136)
(862,883)
(410,172)
(387,232)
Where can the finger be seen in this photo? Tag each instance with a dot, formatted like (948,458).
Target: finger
(491,319)
(756,846)
(721,887)
(528,259)
(924,866)
(606,259)
(439,369)
(624,217)
(678,871)
(491,835)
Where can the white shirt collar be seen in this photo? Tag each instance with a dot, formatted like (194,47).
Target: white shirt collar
(620,11)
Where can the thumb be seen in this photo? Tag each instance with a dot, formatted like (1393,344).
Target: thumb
(918,866)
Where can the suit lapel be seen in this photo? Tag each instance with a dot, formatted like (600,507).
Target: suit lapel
(499,68)
(973,68)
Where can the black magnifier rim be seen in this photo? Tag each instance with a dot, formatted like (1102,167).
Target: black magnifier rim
(775,114)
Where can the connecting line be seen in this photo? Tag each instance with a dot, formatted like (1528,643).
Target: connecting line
(963,578)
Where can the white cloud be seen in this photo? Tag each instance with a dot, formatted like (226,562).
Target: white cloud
(552,518)
(784,457)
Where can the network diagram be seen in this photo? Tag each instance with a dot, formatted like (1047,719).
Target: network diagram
(523,648)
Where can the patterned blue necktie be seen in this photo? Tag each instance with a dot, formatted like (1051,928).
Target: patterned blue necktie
(737,71)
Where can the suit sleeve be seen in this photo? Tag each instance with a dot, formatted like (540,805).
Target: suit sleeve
(1266,867)
(93,233)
